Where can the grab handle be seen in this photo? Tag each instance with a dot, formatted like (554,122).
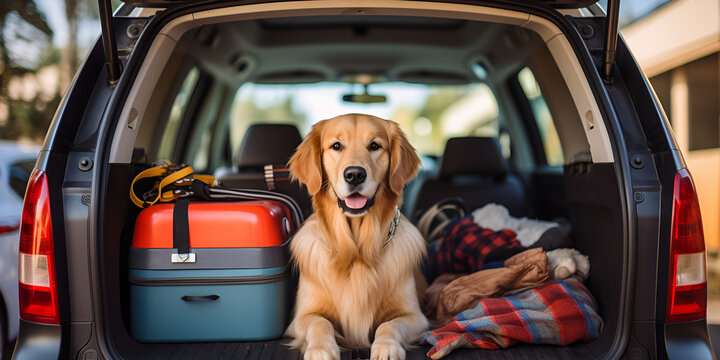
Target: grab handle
(200,298)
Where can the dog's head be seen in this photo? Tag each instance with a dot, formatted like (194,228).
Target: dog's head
(354,158)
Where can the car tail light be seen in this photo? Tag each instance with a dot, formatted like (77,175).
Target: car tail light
(687,289)
(36,273)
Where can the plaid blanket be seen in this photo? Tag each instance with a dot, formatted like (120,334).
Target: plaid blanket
(466,247)
(557,312)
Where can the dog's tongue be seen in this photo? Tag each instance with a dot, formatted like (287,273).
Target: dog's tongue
(355,201)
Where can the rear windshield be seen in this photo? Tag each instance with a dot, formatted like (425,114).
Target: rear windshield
(429,114)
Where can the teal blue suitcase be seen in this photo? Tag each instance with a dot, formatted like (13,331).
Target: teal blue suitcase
(183,292)
(209,304)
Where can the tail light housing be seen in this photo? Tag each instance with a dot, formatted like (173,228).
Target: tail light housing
(687,288)
(36,263)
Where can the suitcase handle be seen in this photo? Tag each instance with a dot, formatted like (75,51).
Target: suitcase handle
(200,298)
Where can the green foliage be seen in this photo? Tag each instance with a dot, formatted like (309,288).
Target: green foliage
(28,62)
(51,56)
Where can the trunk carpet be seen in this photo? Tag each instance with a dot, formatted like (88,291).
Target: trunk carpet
(276,350)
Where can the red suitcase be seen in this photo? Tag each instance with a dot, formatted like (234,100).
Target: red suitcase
(260,223)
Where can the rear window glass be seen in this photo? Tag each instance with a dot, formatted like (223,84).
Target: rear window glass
(19,175)
(177,111)
(543,118)
(429,114)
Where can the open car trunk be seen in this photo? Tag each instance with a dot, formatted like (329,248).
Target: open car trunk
(592,200)
(586,190)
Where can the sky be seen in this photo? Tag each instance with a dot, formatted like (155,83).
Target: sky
(54,10)
(631,10)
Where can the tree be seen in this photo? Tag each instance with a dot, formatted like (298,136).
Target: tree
(28,11)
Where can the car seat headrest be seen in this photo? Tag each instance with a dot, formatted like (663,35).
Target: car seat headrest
(265,144)
(473,156)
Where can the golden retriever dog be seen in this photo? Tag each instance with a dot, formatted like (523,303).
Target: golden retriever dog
(356,255)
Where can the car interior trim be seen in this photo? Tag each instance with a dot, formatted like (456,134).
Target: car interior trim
(138,98)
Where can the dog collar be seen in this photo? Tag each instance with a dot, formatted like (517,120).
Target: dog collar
(391,233)
(393,226)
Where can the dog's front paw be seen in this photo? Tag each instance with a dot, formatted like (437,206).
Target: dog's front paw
(318,352)
(387,350)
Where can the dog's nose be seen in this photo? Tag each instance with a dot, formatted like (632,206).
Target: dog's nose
(354,175)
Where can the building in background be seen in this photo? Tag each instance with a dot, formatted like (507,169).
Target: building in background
(677,46)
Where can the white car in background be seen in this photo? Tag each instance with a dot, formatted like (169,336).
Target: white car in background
(16,164)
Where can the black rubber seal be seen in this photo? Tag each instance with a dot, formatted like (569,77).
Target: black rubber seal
(232,280)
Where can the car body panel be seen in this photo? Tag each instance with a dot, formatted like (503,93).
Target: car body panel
(10,212)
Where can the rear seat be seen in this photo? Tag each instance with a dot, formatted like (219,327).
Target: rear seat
(474,169)
(267,144)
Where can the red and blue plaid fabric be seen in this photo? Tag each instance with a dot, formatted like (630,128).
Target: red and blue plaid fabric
(466,247)
(558,312)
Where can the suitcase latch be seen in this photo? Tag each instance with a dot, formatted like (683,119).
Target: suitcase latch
(182,258)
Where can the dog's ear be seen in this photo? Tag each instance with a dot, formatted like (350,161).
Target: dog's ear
(306,164)
(404,161)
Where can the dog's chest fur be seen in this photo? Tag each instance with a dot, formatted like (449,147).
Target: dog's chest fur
(356,298)
(361,293)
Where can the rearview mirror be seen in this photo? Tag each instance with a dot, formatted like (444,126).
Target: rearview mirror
(364,98)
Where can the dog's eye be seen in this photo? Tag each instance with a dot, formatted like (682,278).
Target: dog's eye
(373,146)
(336,146)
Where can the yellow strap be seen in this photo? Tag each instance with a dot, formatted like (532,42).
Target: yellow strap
(166,196)
(169,180)
(181,177)
(155,171)
(158,171)
(208,179)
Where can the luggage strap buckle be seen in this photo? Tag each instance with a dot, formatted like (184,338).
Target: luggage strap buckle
(182,258)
